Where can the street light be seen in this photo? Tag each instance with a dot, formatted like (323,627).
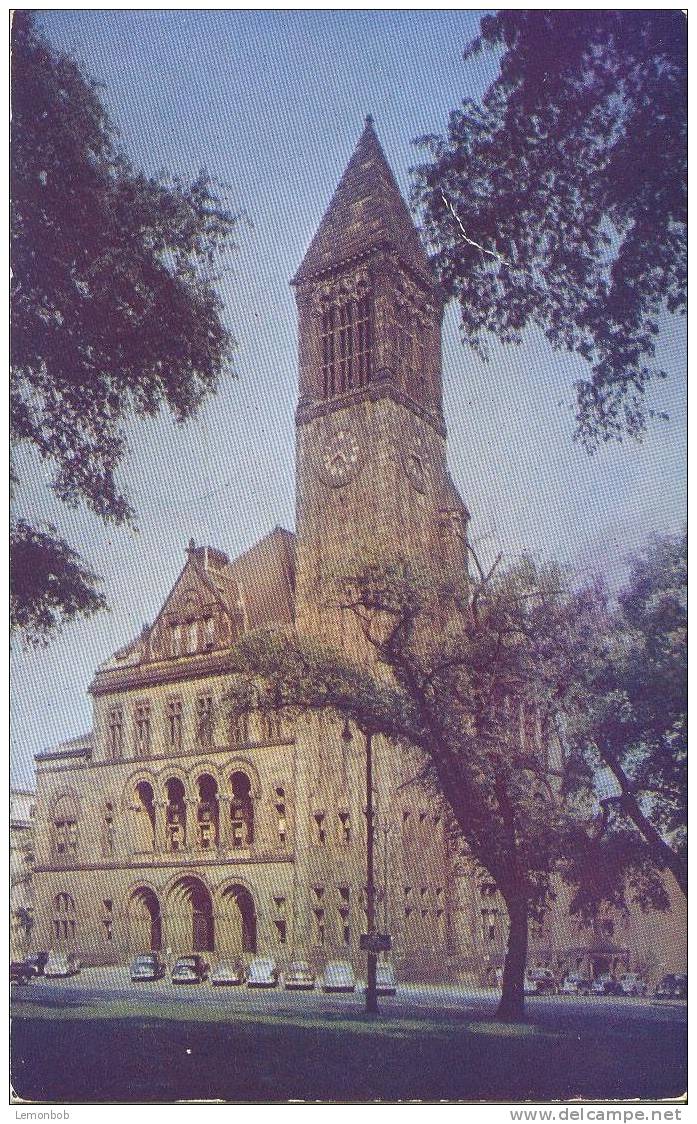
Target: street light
(371,995)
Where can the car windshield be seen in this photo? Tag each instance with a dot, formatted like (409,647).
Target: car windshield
(186,962)
(300,967)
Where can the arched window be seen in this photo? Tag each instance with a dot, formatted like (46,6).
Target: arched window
(281,815)
(64,918)
(242,811)
(176,815)
(144,813)
(207,812)
(108,829)
(115,734)
(174,725)
(204,720)
(64,835)
(142,729)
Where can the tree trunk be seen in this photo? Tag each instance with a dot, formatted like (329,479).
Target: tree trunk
(512,1006)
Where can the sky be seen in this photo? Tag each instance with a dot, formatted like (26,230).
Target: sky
(272,104)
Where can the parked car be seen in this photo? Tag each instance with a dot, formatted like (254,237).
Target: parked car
(299,977)
(540,981)
(338,976)
(606,985)
(19,972)
(61,964)
(262,973)
(385,982)
(228,973)
(672,986)
(36,963)
(189,970)
(631,983)
(575,985)
(147,966)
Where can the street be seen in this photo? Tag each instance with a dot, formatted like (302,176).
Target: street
(99,1037)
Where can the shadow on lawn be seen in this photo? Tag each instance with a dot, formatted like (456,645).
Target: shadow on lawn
(134,1060)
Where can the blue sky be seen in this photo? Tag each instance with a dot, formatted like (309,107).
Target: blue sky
(273,103)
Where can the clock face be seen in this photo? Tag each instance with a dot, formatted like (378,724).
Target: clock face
(341,457)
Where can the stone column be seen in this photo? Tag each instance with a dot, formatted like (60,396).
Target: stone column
(224,823)
(191,842)
(161,826)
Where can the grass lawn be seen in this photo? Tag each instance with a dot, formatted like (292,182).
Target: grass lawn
(88,1055)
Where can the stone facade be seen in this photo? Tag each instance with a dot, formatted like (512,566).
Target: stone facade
(22,819)
(172,827)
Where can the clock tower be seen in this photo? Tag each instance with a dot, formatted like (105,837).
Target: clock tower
(372,480)
(372,484)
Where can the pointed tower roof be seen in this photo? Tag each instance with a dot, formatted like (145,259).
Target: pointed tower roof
(366,211)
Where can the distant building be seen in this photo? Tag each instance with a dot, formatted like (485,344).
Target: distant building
(173,828)
(22,819)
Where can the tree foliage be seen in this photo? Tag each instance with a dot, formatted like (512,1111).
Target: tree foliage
(48,582)
(483,678)
(560,200)
(636,721)
(114,311)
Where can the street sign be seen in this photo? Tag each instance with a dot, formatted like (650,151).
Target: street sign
(376,942)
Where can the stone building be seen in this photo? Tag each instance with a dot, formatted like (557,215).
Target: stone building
(22,816)
(171,827)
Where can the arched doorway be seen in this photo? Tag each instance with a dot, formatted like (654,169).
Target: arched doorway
(237,921)
(190,916)
(144,921)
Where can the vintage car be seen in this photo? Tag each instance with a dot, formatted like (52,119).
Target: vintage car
(263,972)
(631,983)
(189,970)
(672,986)
(606,985)
(228,973)
(540,981)
(338,976)
(299,976)
(148,966)
(575,984)
(61,964)
(385,982)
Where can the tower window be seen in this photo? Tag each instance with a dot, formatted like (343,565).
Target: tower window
(346,346)
(328,353)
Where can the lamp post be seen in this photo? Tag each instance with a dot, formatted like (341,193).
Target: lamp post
(371,996)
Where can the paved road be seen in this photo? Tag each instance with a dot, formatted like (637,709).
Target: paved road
(94,986)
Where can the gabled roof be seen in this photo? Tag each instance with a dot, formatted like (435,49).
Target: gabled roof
(253,591)
(265,575)
(366,210)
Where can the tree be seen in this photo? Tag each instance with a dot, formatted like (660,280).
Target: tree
(478,676)
(114,312)
(636,724)
(560,201)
